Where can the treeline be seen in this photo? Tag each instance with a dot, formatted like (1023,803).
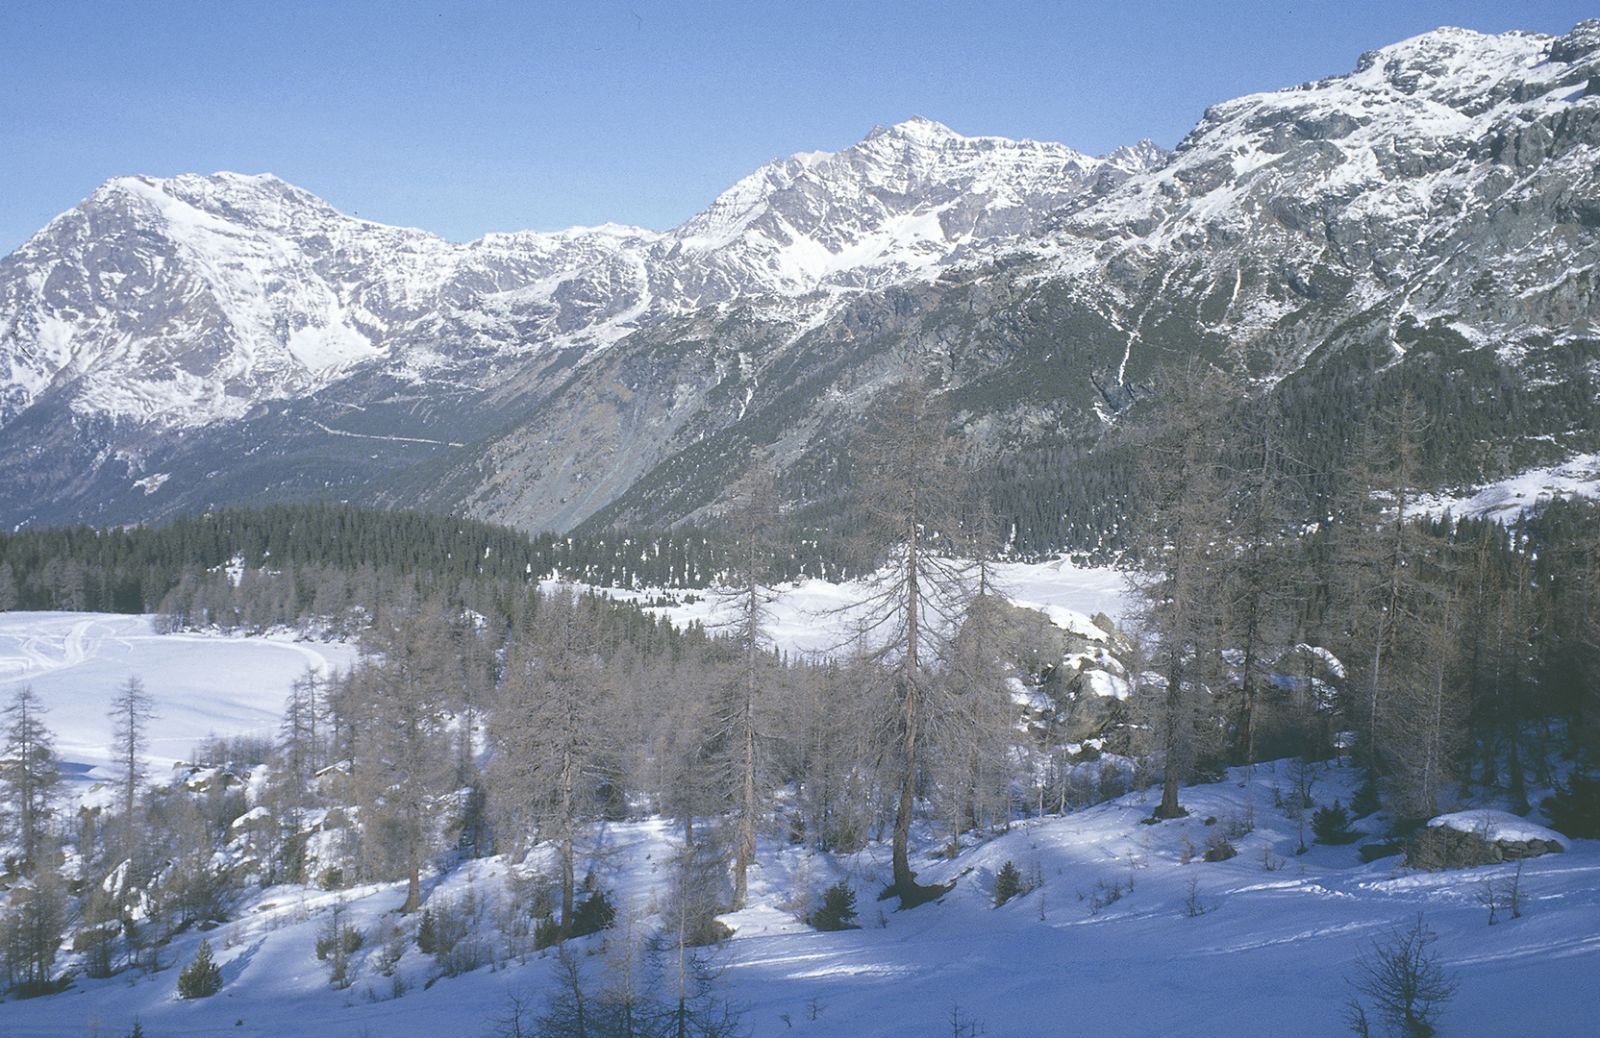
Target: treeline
(134,569)
(255,567)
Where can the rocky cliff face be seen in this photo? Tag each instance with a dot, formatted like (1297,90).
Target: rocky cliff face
(171,343)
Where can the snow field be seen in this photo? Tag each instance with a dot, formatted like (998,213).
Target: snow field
(1266,955)
(200,684)
(820,618)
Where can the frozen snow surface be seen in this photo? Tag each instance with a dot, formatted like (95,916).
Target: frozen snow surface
(200,684)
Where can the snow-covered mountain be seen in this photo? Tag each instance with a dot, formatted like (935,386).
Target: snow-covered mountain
(170,343)
(907,200)
(189,300)
(1447,160)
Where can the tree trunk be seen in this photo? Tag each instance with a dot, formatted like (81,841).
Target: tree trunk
(1169,807)
(745,851)
(905,881)
(566,887)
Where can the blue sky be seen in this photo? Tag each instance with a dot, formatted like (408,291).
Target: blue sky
(466,117)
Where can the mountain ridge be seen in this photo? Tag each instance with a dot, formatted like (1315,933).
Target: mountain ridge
(1288,228)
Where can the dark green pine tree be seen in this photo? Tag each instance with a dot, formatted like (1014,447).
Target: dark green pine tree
(202,978)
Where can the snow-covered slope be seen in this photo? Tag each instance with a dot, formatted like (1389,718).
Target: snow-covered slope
(1128,932)
(1265,948)
(1504,500)
(820,618)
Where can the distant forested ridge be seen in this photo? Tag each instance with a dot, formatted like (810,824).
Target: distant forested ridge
(322,546)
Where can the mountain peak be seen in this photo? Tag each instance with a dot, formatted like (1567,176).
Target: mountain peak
(1137,157)
(1448,57)
(1581,42)
(918,129)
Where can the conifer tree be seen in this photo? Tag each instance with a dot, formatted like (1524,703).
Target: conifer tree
(1182,551)
(30,776)
(910,488)
(1379,586)
(131,713)
(32,923)
(752,522)
(202,978)
(546,734)
(1258,581)
(401,749)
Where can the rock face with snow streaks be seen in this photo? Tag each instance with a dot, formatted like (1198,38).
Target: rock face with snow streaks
(173,343)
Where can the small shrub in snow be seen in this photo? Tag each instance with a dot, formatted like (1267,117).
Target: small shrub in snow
(838,911)
(1007,884)
(1219,847)
(456,944)
(1303,773)
(1112,781)
(1404,981)
(1497,897)
(1371,852)
(1192,905)
(593,914)
(962,1025)
(1491,897)
(546,933)
(339,940)
(202,978)
(1105,894)
(527,900)
(336,945)
(1365,802)
(427,937)
(1331,825)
